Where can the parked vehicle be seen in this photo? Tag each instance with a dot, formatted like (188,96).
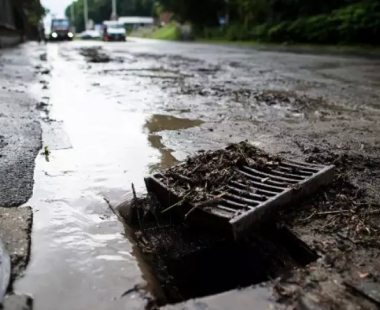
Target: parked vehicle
(61,29)
(114,31)
(90,35)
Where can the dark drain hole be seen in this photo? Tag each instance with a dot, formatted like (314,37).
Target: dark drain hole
(189,263)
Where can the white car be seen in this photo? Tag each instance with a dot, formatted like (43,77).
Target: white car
(114,31)
(90,35)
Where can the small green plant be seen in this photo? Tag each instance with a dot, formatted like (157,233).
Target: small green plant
(46,153)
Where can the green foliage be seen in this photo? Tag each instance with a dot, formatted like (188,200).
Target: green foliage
(198,12)
(169,32)
(302,21)
(357,23)
(33,9)
(211,33)
(352,24)
(100,10)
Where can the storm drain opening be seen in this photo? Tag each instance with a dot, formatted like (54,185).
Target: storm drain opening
(211,224)
(237,188)
(191,263)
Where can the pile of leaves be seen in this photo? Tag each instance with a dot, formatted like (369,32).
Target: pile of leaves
(205,176)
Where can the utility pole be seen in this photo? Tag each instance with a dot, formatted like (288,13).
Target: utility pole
(114,10)
(227,12)
(72,17)
(85,12)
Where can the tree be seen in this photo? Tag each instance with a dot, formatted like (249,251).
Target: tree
(100,10)
(197,12)
(33,9)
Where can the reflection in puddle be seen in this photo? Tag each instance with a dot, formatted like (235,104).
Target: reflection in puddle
(157,123)
(167,159)
(166,122)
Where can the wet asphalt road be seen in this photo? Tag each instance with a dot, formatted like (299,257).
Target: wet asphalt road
(110,124)
(20,133)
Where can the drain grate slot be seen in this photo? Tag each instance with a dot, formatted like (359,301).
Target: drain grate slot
(270,176)
(236,205)
(227,208)
(288,175)
(263,183)
(292,170)
(246,194)
(248,202)
(251,194)
(253,189)
(296,168)
(220,211)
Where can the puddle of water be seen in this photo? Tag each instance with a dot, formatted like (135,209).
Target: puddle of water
(159,122)
(80,258)
(167,159)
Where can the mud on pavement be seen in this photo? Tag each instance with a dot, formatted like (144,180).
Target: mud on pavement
(114,113)
(321,109)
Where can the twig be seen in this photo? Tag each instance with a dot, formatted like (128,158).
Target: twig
(332,212)
(136,288)
(309,217)
(196,168)
(221,159)
(327,199)
(241,151)
(133,191)
(375,212)
(176,204)
(110,205)
(183,178)
(213,201)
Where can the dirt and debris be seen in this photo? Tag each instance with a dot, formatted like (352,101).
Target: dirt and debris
(45,71)
(344,207)
(341,216)
(284,99)
(42,106)
(95,54)
(236,104)
(204,177)
(341,223)
(43,57)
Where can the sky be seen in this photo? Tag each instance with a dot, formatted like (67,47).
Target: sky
(56,7)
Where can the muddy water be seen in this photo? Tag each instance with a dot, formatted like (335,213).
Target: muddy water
(157,123)
(80,257)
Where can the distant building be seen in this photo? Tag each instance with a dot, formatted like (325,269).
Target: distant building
(164,18)
(136,21)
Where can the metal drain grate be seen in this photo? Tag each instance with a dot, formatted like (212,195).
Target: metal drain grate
(261,194)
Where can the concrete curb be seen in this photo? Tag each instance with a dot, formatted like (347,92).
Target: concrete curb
(5,271)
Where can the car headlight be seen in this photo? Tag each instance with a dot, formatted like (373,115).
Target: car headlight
(54,35)
(70,35)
